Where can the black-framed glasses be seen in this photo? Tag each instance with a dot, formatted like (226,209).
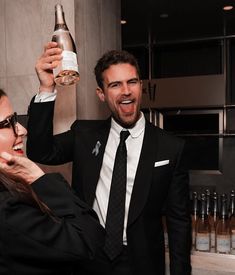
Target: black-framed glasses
(11,121)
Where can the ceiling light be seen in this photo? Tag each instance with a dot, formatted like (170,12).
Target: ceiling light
(123,22)
(164,15)
(228,8)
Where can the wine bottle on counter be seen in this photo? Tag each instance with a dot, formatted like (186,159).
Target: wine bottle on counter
(202,241)
(231,203)
(165,232)
(232,220)
(194,216)
(214,219)
(208,203)
(66,73)
(223,240)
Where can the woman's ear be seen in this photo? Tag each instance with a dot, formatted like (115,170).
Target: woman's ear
(100,94)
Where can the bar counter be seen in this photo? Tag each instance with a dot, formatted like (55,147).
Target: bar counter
(204,263)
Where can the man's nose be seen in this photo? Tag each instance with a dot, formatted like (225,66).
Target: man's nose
(126,89)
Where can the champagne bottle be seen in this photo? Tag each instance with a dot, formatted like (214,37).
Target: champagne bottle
(194,217)
(208,205)
(203,228)
(165,232)
(66,73)
(222,240)
(214,219)
(232,221)
(231,203)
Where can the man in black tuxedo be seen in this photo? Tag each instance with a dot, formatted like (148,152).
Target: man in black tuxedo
(156,178)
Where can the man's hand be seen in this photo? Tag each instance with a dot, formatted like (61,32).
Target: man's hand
(19,169)
(45,65)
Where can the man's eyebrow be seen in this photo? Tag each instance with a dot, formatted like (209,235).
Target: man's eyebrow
(134,78)
(118,82)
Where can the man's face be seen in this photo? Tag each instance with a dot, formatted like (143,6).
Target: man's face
(9,141)
(122,92)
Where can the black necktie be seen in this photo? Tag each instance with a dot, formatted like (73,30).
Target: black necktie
(116,206)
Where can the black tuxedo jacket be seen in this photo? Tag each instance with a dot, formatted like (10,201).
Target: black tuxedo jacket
(157,187)
(32,243)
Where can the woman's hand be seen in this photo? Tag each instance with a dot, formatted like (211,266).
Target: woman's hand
(19,169)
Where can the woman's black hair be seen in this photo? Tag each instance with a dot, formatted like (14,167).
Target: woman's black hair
(23,190)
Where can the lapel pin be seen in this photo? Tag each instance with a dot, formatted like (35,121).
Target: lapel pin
(96,149)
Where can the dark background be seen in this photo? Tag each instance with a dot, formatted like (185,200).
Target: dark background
(190,38)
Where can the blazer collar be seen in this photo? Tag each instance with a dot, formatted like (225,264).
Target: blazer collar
(97,141)
(143,176)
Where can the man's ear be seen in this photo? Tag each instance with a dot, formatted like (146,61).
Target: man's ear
(100,94)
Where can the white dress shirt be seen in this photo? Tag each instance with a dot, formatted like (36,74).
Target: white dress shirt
(45,97)
(134,145)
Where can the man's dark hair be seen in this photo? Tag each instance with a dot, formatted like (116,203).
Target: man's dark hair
(113,58)
(2,93)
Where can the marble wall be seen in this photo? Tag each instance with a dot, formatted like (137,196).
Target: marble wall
(98,29)
(25,27)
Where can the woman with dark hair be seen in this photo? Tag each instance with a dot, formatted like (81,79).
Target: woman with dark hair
(44,227)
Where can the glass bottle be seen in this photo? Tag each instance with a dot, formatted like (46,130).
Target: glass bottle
(203,230)
(165,232)
(231,203)
(194,216)
(208,204)
(66,73)
(214,219)
(232,221)
(223,240)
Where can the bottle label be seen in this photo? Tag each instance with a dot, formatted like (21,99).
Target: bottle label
(213,239)
(69,61)
(166,239)
(223,243)
(193,237)
(202,242)
(233,239)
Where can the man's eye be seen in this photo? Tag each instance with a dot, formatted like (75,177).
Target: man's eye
(134,81)
(114,85)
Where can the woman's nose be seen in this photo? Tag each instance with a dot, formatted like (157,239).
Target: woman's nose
(21,131)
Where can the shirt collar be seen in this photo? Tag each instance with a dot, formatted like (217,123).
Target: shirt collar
(135,131)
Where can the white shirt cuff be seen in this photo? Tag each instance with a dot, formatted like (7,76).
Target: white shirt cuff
(45,97)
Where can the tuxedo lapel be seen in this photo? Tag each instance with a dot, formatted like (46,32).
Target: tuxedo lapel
(143,174)
(96,142)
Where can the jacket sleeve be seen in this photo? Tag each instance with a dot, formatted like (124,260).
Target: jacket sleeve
(179,217)
(27,233)
(42,146)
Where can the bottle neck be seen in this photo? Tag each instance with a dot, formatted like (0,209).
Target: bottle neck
(59,18)
(203,212)
(231,206)
(215,207)
(224,210)
(195,206)
(208,203)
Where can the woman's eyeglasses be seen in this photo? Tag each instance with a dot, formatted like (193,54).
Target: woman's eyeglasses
(11,121)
